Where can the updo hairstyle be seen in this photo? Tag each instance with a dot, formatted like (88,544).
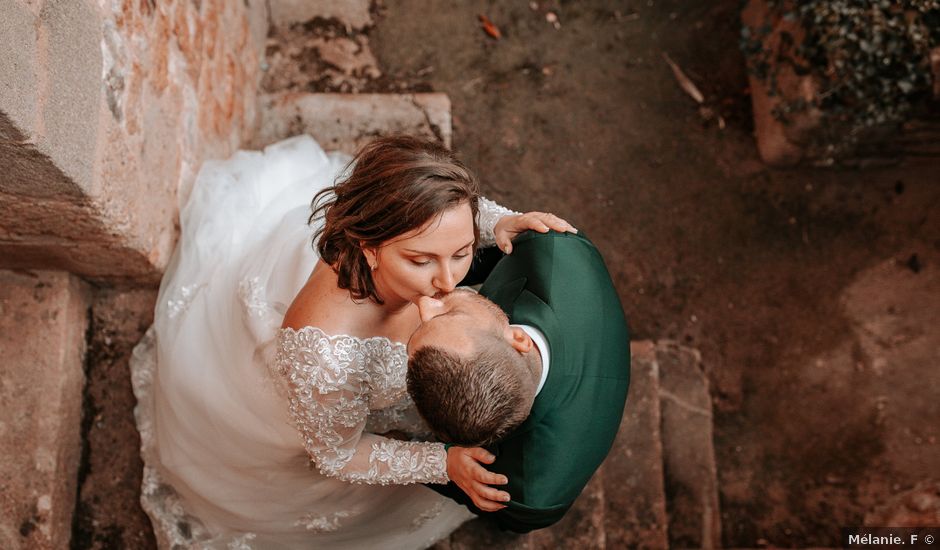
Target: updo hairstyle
(396,185)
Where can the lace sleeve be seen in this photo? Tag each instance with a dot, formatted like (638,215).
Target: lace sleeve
(488,215)
(327,390)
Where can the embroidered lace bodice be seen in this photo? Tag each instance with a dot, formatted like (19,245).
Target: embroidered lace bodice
(334,384)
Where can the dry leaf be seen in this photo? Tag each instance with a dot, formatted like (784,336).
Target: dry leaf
(552,18)
(489,28)
(684,82)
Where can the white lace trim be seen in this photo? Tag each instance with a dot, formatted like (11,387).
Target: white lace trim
(332,381)
(487,217)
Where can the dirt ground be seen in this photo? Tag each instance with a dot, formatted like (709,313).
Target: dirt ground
(706,245)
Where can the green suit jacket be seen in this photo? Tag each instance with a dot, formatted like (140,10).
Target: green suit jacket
(558,283)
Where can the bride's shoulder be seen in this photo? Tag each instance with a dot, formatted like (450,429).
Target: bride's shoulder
(321,304)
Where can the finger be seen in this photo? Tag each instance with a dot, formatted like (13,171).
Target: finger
(558,224)
(540,226)
(505,245)
(490,478)
(489,493)
(486,504)
(490,506)
(481,454)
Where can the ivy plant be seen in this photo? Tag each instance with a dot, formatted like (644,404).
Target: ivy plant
(870,60)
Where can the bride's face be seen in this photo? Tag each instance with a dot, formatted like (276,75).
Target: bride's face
(427,261)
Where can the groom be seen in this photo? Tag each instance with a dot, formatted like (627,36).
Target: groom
(545,393)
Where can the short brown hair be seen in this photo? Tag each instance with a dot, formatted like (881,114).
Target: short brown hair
(396,185)
(473,401)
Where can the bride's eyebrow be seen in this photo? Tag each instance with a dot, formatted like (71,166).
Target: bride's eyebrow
(420,253)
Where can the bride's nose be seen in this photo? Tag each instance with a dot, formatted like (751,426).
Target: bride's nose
(445,279)
(429,308)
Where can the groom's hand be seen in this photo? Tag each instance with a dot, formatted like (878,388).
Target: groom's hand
(464,469)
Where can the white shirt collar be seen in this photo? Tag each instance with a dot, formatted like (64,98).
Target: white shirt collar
(542,344)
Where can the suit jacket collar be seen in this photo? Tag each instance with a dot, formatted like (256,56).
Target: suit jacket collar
(524,307)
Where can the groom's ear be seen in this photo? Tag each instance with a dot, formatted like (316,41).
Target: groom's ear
(518,339)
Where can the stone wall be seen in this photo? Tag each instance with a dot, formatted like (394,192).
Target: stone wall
(107,110)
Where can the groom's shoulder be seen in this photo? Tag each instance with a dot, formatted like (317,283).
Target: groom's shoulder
(555,239)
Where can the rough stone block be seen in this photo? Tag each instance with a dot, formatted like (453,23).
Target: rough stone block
(43,319)
(346,122)
(352,13)
(19,70)
(128,100)
(690,471)
(72,91)
(635,515)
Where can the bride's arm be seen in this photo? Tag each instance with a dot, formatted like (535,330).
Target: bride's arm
(488,216)
(498,224)
(328,406)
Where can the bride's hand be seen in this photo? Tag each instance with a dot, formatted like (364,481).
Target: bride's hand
(509,226)
(464,469)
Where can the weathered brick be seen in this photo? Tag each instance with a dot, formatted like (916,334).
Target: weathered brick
(43,319)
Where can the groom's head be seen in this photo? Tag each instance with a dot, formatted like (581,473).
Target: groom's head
(471,374)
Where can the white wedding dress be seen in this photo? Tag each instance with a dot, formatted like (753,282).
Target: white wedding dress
(259,437)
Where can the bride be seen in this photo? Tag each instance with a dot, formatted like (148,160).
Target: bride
(271,388)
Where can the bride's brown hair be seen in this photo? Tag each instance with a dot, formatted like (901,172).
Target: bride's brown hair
(396,185)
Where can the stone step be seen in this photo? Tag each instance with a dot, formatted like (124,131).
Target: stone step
(345,122)
(43,320)
(353,14)
(689,469)
(635,496)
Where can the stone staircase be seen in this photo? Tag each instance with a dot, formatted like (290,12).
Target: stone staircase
(69,459)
